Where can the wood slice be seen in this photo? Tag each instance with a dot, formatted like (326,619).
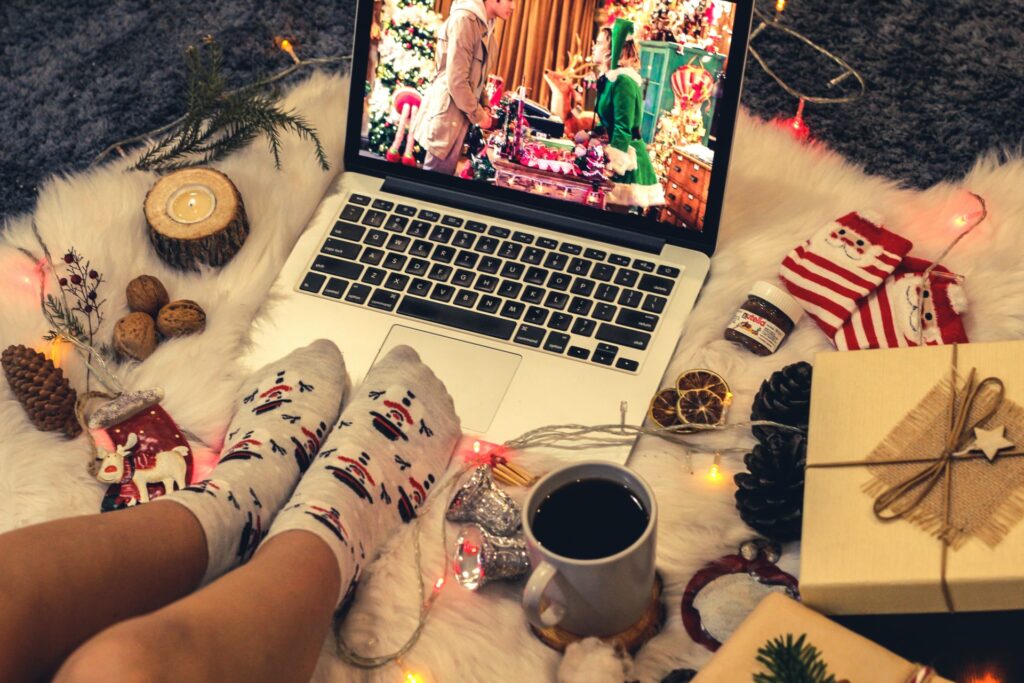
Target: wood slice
(630,640)
(196,216)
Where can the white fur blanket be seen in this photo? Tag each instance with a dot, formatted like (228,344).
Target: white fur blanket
(779,191)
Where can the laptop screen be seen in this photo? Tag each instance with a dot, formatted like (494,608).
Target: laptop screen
(594,106)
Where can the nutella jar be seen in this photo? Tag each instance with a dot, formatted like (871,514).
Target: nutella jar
(764,319)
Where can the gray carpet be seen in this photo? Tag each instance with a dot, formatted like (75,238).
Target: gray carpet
(945,76)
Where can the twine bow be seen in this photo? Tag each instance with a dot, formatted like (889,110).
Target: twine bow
(904,497)
(941,468)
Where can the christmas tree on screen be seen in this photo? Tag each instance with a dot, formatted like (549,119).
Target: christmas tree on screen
(406,58)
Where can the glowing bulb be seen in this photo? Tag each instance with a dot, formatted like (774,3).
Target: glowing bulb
(287,47)
(439,584)
(779,6)
(714,474)
(411,677)
(960,221)
(476,447)
(986,677)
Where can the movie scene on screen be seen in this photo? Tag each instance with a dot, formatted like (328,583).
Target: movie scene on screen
(606,103)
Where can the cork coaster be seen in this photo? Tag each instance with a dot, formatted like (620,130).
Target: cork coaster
(631,640)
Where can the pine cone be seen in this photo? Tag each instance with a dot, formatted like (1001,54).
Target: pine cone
(785,397)
(770,497)
(42,389)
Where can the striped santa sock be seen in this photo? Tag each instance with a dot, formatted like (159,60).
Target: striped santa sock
(831,273)
(901,313)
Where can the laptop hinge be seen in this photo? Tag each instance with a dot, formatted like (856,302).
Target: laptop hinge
(522,214)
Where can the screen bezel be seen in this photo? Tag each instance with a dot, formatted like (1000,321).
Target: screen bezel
(727,110)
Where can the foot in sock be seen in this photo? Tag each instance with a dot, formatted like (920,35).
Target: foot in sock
(390,448)
(283,415)
(841,264)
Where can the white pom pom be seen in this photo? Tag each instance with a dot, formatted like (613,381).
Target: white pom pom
(957,299)
(593,661)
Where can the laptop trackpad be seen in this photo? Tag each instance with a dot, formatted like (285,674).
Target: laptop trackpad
(476,376)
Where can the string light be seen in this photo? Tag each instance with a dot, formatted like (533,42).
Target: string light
(715,474)
(286,46)
(797,124)
(411,677)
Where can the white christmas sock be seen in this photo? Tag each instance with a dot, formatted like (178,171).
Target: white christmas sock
(389,449)
(832,272)
(285,411)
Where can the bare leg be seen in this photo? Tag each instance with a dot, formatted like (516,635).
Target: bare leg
(264,621)
(63,581)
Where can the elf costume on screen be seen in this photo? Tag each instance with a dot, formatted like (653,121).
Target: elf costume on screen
(620,107)
(854,278)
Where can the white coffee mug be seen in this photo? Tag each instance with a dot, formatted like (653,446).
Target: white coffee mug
(598,597)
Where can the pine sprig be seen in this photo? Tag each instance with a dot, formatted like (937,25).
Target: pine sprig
(65,323)
(792,661)
(218,122)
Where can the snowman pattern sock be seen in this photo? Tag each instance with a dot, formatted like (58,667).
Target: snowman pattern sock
(842,263)
(906,312)
(390,448)
(283,416)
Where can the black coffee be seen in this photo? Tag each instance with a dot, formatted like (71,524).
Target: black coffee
(588,519)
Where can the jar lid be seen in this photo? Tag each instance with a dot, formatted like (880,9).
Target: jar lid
(778,298)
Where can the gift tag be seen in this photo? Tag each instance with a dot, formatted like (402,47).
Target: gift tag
(721,595)
(141,451)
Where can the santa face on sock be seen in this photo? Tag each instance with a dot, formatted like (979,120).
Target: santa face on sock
(842,239)
(907,311)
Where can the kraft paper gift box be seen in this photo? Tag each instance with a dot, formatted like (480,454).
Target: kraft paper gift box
(854,563)
(847,655)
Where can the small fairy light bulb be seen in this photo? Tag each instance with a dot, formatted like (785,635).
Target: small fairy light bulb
(412,677)
(287,47)
(476,447)
(780,5)
(439,584)
(715,474)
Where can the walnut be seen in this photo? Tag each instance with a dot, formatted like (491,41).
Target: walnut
(181,317)
(147,294)
(135,335)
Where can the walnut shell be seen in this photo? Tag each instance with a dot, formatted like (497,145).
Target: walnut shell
(147,294)
(135,335)
(181,317)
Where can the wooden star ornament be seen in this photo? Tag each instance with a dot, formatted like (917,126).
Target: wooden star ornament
(990,441)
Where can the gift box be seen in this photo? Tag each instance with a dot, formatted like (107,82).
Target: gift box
(847,655)
(904,511)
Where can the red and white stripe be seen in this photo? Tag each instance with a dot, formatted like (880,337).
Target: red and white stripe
(830,290)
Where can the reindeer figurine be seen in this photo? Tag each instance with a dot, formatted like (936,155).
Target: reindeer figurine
(169,468)
(566,94)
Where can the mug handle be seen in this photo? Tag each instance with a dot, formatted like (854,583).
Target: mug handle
(534,591)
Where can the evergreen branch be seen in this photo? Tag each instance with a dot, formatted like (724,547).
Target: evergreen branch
(218,121)
(63,320)
(790,661)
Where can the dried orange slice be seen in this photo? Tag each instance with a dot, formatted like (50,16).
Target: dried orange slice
(701,407)
(704,380)
(663,410)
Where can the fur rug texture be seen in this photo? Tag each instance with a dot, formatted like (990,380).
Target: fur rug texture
(779,192)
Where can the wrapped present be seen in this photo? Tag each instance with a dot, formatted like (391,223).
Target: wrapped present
(915,481)
(846,655)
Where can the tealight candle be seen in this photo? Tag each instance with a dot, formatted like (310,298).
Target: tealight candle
(191,204)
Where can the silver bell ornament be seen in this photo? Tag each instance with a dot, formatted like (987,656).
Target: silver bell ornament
(481,556)
(482,502)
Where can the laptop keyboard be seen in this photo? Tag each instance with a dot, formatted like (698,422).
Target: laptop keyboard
(511,285)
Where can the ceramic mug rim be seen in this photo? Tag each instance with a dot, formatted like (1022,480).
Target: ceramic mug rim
(652,514)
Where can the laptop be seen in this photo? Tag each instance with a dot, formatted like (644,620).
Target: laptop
(533,297)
